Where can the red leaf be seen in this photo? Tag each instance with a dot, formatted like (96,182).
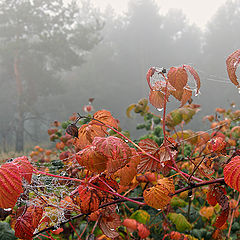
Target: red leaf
(232,62)
(143,232)
(118,153)
(89,199)
(10,185)
(156,98)
(149,164)
(177,77)
(232,173)
(150,73)
(28,222)
(25,167)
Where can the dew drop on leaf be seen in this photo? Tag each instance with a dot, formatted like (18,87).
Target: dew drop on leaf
(197,93)
(238,89)
(159,109)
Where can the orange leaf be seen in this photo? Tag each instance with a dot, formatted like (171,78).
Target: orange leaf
(158,196)
(177,77)
(89,200)
(156,98)
(25,167)
(157,93)
(195,76)
(232,62)
(118,153)
(105,117)
(10,185)
(129,171)
(87,133)
(207,212)
(149,164)
(232,173)
(91,159)
(130,223)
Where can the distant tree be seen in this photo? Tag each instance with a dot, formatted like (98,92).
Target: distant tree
(222,35)
(221,38)
(39,40)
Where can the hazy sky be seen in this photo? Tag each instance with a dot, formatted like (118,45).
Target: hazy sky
(197,11)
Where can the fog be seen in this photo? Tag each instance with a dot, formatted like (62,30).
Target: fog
(55,56)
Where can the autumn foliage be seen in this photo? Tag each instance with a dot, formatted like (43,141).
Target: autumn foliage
(97,183)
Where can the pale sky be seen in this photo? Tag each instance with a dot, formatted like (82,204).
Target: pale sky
(197,11)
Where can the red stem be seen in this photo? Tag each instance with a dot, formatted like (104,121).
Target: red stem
(74,230)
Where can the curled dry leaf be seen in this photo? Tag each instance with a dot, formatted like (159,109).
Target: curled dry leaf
(91,159)
(195,75)
(110,221)
(183,95)
(232,62)
(117,152)
(158,196)
(10,185)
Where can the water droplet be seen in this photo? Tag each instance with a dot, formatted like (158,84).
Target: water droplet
(7,209)
(126,141)
(159,109)
(159,209)
(112,229)
(238,89)
(197,92)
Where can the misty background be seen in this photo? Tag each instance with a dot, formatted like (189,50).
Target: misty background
(55,55)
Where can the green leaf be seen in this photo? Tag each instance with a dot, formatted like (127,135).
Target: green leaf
(180,222)
(178,202)
(141,216)
(6,233)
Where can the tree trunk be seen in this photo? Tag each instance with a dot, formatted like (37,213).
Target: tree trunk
(20,118)
(20,131)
